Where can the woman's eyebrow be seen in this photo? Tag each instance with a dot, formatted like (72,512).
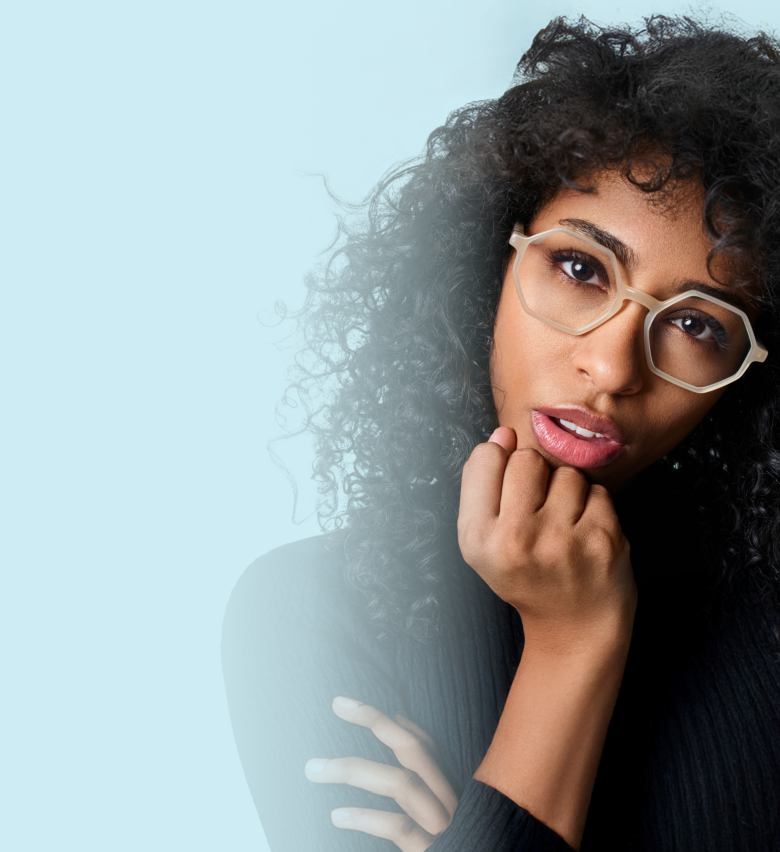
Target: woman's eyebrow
(621,251)
(724,295)
(627,258)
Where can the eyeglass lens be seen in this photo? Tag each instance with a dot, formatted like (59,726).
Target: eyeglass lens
(572,283)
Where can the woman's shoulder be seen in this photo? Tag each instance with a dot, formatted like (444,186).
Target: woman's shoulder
(288,571)
(294,589)
(295,575)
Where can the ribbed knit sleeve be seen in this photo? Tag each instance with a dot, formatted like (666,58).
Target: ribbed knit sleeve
(692,759)
(486,820)
(292,641)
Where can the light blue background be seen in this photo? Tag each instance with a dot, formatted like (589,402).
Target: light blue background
(154,199)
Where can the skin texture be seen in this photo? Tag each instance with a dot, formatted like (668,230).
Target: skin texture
(605,371)
(549,543)
(545,536)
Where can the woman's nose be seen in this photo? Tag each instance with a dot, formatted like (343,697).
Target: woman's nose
(612,355)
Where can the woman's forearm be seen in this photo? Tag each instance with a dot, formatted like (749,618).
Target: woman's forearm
(546,749)
(549,543)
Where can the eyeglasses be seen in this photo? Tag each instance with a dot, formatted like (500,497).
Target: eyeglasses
(572,283)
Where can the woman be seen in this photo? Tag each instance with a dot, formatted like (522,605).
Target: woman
(547,617)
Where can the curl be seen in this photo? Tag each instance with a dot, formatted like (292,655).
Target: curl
(394,379)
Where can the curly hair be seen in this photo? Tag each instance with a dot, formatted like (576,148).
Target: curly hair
(394,377)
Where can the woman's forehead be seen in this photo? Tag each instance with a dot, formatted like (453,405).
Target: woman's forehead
(643,222)
(681,201)
(649,232)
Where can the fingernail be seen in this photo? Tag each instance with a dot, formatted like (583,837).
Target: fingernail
(340,815)
(493,433)
(346,703)
(314,766)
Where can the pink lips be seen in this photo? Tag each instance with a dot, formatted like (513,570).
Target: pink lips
(574,449)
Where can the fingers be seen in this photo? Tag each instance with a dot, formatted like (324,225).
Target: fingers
(599,503)
(483,474)
(530,486)
(415,729)
(398,828)
(402,785)
(525,484)
(601,518)
(505,437)
(501,480)
(567,494)
(410,744)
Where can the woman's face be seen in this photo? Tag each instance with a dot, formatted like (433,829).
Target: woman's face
(600,381)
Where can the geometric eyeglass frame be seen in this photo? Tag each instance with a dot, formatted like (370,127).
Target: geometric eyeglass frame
(756,353)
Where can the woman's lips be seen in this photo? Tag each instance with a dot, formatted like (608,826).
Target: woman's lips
(571,448)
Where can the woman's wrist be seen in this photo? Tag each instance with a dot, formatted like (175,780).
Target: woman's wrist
(596,643)
(546,749)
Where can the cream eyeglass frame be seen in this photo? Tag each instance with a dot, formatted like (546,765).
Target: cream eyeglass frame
(520,243)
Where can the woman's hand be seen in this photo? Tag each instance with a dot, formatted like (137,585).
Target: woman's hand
(420,788)
(548,543)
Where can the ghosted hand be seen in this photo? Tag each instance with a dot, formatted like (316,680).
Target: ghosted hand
(419,788)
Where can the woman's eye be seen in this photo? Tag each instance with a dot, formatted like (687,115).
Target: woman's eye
(695,327)
(580,271)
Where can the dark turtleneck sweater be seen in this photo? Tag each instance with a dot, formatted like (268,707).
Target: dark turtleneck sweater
(692,756)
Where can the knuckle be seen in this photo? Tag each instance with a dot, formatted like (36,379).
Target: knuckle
(344,767)
(566,472)
(528,459)
(487,453)
(382,726)
(465,527)
(551,549)
(406,828)
(600,543)
(411,780)
(545,553)
(400,739)
(408,740)
(473,537)
(467,541)
(601,500)
(440,824)
(529,453)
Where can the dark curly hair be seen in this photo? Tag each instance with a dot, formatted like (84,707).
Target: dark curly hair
(399,321)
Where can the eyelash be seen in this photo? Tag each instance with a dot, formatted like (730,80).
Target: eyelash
(567,256)
(718,332)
